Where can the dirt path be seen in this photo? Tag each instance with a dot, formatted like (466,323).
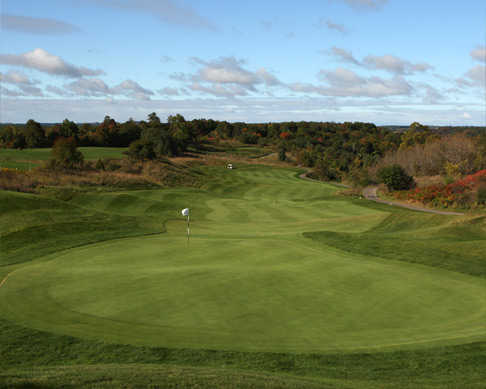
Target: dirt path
(370,193)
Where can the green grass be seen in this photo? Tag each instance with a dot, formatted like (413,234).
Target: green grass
(28,158)
(283,284)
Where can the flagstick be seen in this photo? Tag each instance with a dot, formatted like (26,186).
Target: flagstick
(188,230)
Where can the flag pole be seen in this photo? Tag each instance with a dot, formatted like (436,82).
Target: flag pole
(188,230)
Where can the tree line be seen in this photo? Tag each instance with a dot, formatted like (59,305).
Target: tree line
(334,150)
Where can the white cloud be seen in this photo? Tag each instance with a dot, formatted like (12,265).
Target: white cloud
(22,82)
(394,64)
(88,87)
(432,95)
(345,83)
(389,63)
(94,87)
(43,61)
(179,76)
(229,91)
(474,77)
(336,26)
(266,24)
(479,53)
(365,4)
(344,55)
(226,70)
(341,77)
(12,77)
(132,89)
(166,59)
(169,91)
(268,78)
(10,93)
(58,91)
(168,11)
(226,77)
(36,25)
(477,74)
(30,90)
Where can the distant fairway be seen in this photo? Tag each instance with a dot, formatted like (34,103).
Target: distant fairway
(274,263)
(28,158)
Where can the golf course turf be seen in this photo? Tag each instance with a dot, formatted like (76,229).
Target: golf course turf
(275,266)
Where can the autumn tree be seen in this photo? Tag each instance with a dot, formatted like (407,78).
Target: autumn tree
(65,155)
(34,134)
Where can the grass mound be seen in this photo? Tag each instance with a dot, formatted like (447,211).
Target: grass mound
(438,241)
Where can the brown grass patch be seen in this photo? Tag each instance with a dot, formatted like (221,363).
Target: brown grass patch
(127,175)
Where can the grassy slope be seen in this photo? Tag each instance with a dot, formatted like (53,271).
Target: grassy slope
(453,365)
(426,239)
(28,158)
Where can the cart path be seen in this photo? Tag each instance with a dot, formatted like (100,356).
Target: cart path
(370,193)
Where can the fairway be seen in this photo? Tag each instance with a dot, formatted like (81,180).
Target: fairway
(26,159)
(251,278)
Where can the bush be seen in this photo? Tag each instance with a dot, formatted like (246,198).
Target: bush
(324,171)
(100,165)
(65,155)
(359,178)
(395,178)
(481,196)
(112,165)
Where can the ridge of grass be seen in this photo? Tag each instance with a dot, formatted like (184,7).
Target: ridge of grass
(432,240)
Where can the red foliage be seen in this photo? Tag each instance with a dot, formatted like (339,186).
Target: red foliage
(285,135)
(443,195)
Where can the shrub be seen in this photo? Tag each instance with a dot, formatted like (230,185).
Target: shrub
(359,178)
(324,171)
(481,195)
(395,178)
(65,155)
(112,165)
(99,165)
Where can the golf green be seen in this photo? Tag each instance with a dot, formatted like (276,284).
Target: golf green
(248,279)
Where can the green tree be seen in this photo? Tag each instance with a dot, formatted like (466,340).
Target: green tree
(65,155)
(34,134)
(395,178)
(69,129)
(155,141)
(180,133)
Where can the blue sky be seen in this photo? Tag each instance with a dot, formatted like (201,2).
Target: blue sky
(383,61)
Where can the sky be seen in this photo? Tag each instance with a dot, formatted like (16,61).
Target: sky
(381,61)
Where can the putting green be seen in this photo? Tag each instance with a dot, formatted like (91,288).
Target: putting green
(247,280)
